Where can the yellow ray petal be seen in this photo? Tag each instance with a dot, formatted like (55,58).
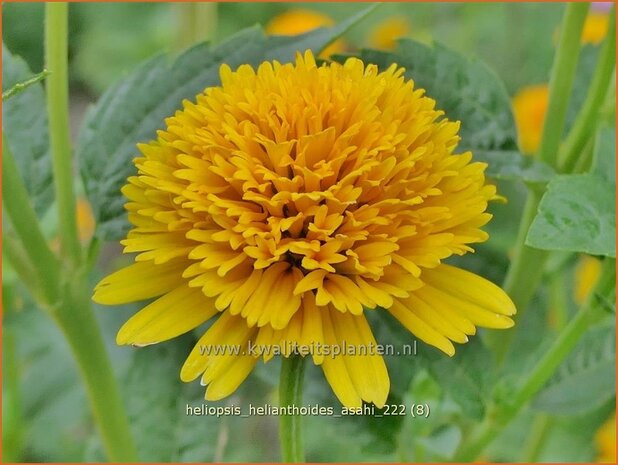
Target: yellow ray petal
(435,319)
(367,372)
(139,281)
(169,316)
(236,372)
(478,315)
(471,287)
(227,334)
(335,369)
(421,329)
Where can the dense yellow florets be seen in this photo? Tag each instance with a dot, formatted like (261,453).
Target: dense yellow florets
(293,199)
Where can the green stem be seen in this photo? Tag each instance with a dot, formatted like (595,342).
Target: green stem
(537,438)
(23,218)
(197,22)
(78,322)
(15,252)
(526,268)
(561,80)
(588,116)
(584,160)
(290,394)
(545,367)
(56,56)
(558,309)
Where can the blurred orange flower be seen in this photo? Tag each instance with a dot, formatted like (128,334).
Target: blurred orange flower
(85,224)
(85,220)
(595,28)
(586,275)
(386,33)
(298,21)
(530,106)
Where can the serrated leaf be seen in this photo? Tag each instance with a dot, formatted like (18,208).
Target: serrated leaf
(466,89)
(577,214)
(132,110)
(586,380)
(24,123)
(511,165)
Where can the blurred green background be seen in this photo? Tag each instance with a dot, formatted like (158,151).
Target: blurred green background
(45,413)
(108,40)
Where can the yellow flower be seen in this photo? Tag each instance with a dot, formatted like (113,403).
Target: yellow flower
(299,21)
(595,28)
(385,34)
(606,441)
(290,202)
(530,106)
(587,273)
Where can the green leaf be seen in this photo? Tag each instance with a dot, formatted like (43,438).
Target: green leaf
(511,165)
(52,399)
(586,380)
(133,109)
(466,376)
(578,212)
(156,402)
(24,123)
(466,89)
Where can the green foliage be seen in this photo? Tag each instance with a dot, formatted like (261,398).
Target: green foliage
(133,109)
(578,212)
(50,389)
(156,400)
(466,377)
(24,123)
(587,379)
(510,165)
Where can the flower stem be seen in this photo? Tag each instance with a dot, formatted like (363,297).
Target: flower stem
(561,80)
(197,22)
(538,438)
(526,268)
(588,116)
(590,313)
(23,218)
(78,322)
(290,394)
(56,57)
